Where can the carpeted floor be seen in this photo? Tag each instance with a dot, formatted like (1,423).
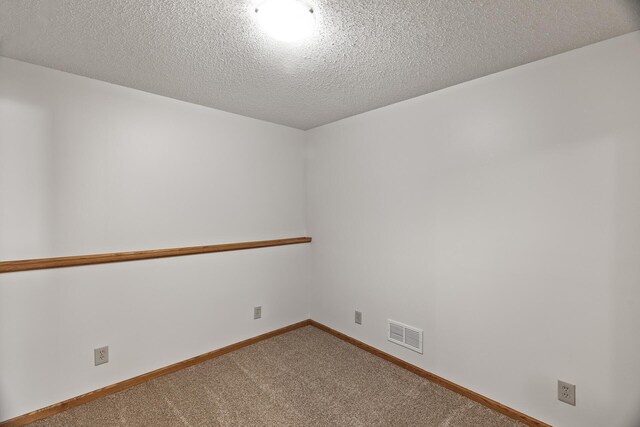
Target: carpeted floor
(303,378)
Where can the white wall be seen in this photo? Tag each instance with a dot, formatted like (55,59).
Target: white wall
(500,215)
(503,217)
(89,167)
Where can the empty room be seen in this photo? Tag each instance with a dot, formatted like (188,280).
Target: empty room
(320,213)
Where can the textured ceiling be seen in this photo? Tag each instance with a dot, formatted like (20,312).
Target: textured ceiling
(363,55)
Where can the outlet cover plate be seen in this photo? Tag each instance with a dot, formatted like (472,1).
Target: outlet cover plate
(101,355)
(358,318)
(257,312)
(567,393)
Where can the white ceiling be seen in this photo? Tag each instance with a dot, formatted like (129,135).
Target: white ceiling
(364,54)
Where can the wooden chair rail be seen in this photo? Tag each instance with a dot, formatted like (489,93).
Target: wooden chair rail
(69,261)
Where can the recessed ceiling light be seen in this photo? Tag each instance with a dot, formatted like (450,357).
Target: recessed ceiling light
(286,20)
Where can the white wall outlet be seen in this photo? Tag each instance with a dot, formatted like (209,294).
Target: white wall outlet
(358,317)
(257,312)
(567,393)
(101,355)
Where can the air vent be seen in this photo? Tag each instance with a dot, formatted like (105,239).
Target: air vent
(396,332)
(405,335)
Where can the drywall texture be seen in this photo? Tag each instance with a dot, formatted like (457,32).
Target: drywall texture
(89,167)
(501,216)
(363,55)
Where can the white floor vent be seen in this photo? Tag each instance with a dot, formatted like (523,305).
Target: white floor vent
(405,335)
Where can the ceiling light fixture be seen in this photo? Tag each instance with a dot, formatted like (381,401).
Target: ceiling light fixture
(286,20)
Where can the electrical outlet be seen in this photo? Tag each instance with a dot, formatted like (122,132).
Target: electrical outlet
(257,312)
(567,393)
(358,317)
(101,355)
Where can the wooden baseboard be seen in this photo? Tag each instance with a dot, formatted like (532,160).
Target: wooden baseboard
(489,403)
(123,385)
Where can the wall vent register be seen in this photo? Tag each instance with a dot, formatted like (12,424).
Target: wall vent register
(404,335)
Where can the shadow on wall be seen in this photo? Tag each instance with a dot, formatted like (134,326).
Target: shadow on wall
(26,154)
(27,217)
(625,278)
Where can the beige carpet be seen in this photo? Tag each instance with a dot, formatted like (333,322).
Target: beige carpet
(303,378)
